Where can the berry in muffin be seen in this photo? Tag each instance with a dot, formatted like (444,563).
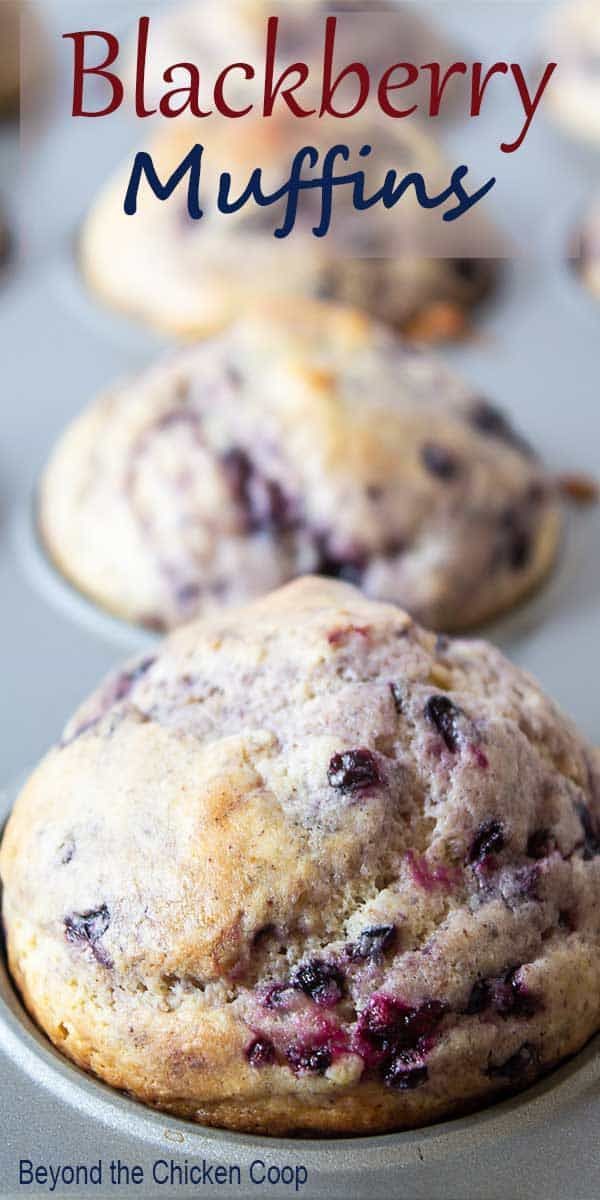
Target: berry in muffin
(191,277)
(572,38)
(312,441)
(252,889)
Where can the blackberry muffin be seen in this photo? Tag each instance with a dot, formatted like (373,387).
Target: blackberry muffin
(311,869)
(4,240)
(573,40)
(404,266)
(312,442)
(205,34)
(9,57)
(587,247)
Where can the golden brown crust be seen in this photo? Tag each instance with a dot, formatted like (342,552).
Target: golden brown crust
(210,910)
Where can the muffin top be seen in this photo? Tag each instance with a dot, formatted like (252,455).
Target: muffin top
(9,55)
(572,38)
(311,868)
(394,262)
(307,441)
(587,248)
(213,34)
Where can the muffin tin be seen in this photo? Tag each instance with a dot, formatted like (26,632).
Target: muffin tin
(535,352)
(83,1121)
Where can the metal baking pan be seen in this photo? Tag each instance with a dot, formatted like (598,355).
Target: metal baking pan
(85,1122)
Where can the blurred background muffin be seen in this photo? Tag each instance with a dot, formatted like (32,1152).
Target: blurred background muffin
(316,442)
(587,249)
(214,33)
(190,278)
(10,56)
(573,40)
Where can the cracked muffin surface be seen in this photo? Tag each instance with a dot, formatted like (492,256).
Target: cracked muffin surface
(311,869)
(315,442)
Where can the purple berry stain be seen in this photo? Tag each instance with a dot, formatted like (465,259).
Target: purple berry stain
(431,877)
(388,1029)
(338,637)
(315,1051)
(405,1074)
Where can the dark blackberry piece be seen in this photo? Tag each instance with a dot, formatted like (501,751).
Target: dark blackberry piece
(322,981)
(276,995)
(66,851)
(516,544)
(373,942)
(488,419)
(468,269)
(125,681)
(349,567)
(87,928)
(540,844)
(516,999)
(263,501)
(505,994)
(439,461)
(567,919)
(353,770)
(260,1052)
(516,1066)
(303,1057)
(238,471)
(444,715)
(403,1075)
(387,1028)
(520,549)
(479,998)
(591,842)
(488,840)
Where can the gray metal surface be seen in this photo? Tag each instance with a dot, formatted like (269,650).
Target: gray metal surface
(537,354)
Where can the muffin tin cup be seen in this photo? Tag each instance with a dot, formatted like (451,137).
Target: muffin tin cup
(336,1167)
(507,630)
(56,590)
